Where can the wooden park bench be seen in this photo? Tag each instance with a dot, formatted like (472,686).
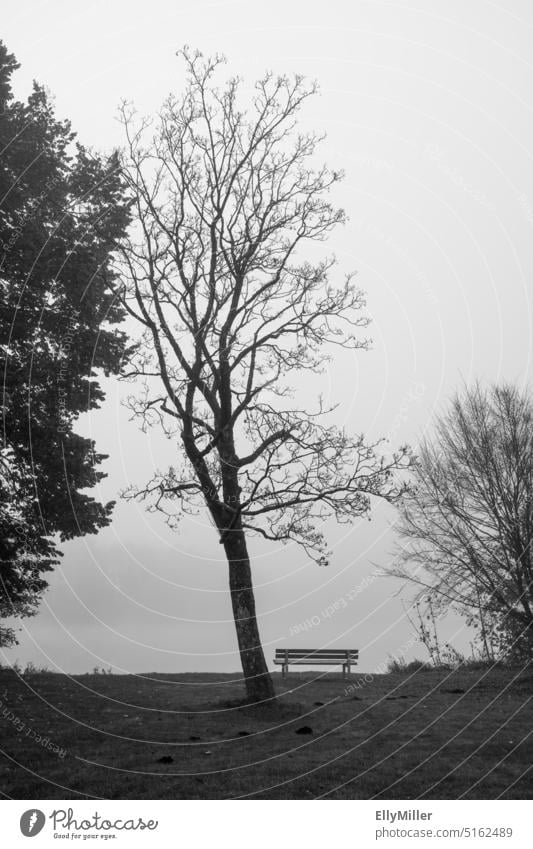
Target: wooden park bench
(317,657)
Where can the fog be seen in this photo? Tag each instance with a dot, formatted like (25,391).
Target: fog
(427,108)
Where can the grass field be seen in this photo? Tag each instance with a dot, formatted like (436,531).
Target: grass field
(436,734)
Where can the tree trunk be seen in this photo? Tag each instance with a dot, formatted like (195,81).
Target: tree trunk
(259,686)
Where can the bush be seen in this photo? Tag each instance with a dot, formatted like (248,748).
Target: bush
(400,665)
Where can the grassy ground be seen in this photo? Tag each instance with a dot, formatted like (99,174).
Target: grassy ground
(444,735)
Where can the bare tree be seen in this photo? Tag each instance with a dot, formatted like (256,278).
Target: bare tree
(467,524)
(223,201)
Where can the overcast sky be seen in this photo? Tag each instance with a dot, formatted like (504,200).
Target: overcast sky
(427,107)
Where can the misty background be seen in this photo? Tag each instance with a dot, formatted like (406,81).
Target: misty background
(427,108)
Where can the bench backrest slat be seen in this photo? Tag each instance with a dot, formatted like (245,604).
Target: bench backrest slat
(316,653)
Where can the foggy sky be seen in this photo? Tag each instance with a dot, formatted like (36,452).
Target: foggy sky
(427,108)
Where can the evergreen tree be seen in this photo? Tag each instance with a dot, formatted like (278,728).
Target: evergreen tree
(62,208)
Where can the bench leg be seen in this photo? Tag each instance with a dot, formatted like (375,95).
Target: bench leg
(284,670)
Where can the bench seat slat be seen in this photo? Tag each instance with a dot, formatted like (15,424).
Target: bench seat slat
(332,658)
(338,662)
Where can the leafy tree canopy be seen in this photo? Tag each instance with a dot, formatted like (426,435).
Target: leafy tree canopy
(62,208)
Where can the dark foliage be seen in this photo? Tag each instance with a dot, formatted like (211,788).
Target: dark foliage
(61,210)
